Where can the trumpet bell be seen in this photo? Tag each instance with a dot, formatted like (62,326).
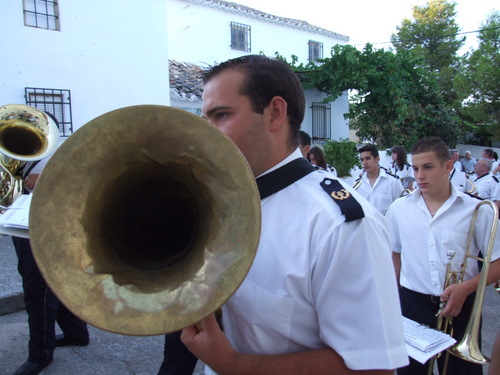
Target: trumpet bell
(145,221)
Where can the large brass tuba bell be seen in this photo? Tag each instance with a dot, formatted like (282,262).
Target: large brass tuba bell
(145,220)
(26,134)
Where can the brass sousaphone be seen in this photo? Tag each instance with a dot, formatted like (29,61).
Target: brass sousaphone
(145,220)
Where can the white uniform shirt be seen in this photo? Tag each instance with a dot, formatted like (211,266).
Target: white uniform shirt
(405,173)
(487,187)
(423,240)
(319,282)
(494,165)
(332,170)
(459,179)
(384,191)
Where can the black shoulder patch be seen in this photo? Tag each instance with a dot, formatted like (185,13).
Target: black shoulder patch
(473,196)
(390,173)
(495,178)
(349,206)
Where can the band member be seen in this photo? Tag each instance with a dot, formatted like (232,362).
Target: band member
(489,154)
(457,176)
(42,306)
(304,143)
(400,167)
(487,185)
(317,157)
(377,185)
(426,224)
(301,310)
(455,158)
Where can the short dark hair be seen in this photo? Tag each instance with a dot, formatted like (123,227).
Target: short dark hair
(304,138)
(489,152)
(432,144)
(265,79)
(369,148)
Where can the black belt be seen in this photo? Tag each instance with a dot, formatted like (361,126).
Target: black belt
(425,297)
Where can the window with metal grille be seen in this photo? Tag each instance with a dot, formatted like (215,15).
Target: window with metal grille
(321,122)
(315,50)
(43,14)
(240,37)
(57,102)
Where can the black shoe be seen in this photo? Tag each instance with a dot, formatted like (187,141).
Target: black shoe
(62,340)
(31,368)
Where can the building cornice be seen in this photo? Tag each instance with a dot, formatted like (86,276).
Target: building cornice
(266,17)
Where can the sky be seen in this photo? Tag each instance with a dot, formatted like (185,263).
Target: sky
(370,20)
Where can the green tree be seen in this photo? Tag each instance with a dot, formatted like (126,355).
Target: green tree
(343,155)
(480,82)
(432,34)
(395,100)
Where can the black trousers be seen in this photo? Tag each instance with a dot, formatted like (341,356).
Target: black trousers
(43,308)
(423,309)
(177,359)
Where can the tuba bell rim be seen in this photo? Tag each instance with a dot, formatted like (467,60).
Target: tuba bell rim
(46,126)
(161,302)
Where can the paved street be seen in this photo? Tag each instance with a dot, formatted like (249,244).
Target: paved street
(107,354)
(112,354)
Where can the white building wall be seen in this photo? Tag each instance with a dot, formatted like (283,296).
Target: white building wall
(200,34)
(340,126)
(110,54)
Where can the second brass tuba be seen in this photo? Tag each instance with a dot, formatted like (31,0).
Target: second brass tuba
(26,134)
(145,220)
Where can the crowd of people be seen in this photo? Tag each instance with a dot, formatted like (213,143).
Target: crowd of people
(337,266)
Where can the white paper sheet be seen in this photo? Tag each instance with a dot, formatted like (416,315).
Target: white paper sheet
(17,215)
(423,342)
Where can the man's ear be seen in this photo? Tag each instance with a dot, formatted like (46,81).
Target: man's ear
(448,165)
(278,112)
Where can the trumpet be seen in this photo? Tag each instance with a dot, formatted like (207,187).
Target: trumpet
(405,192)
(359,181)
(470,186)
(468,347)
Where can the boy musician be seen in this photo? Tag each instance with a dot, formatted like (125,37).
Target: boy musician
(424,225)
(377,185)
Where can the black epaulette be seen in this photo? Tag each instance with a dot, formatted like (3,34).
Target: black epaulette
(390,173)
(349,206)
(495,178)
(474,196)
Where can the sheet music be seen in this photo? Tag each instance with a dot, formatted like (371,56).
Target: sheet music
(423,342)
(17,215)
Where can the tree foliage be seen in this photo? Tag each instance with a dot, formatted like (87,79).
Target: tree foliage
(432,34)
(394,101)
(480,82)
(422,87)
(343,155)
